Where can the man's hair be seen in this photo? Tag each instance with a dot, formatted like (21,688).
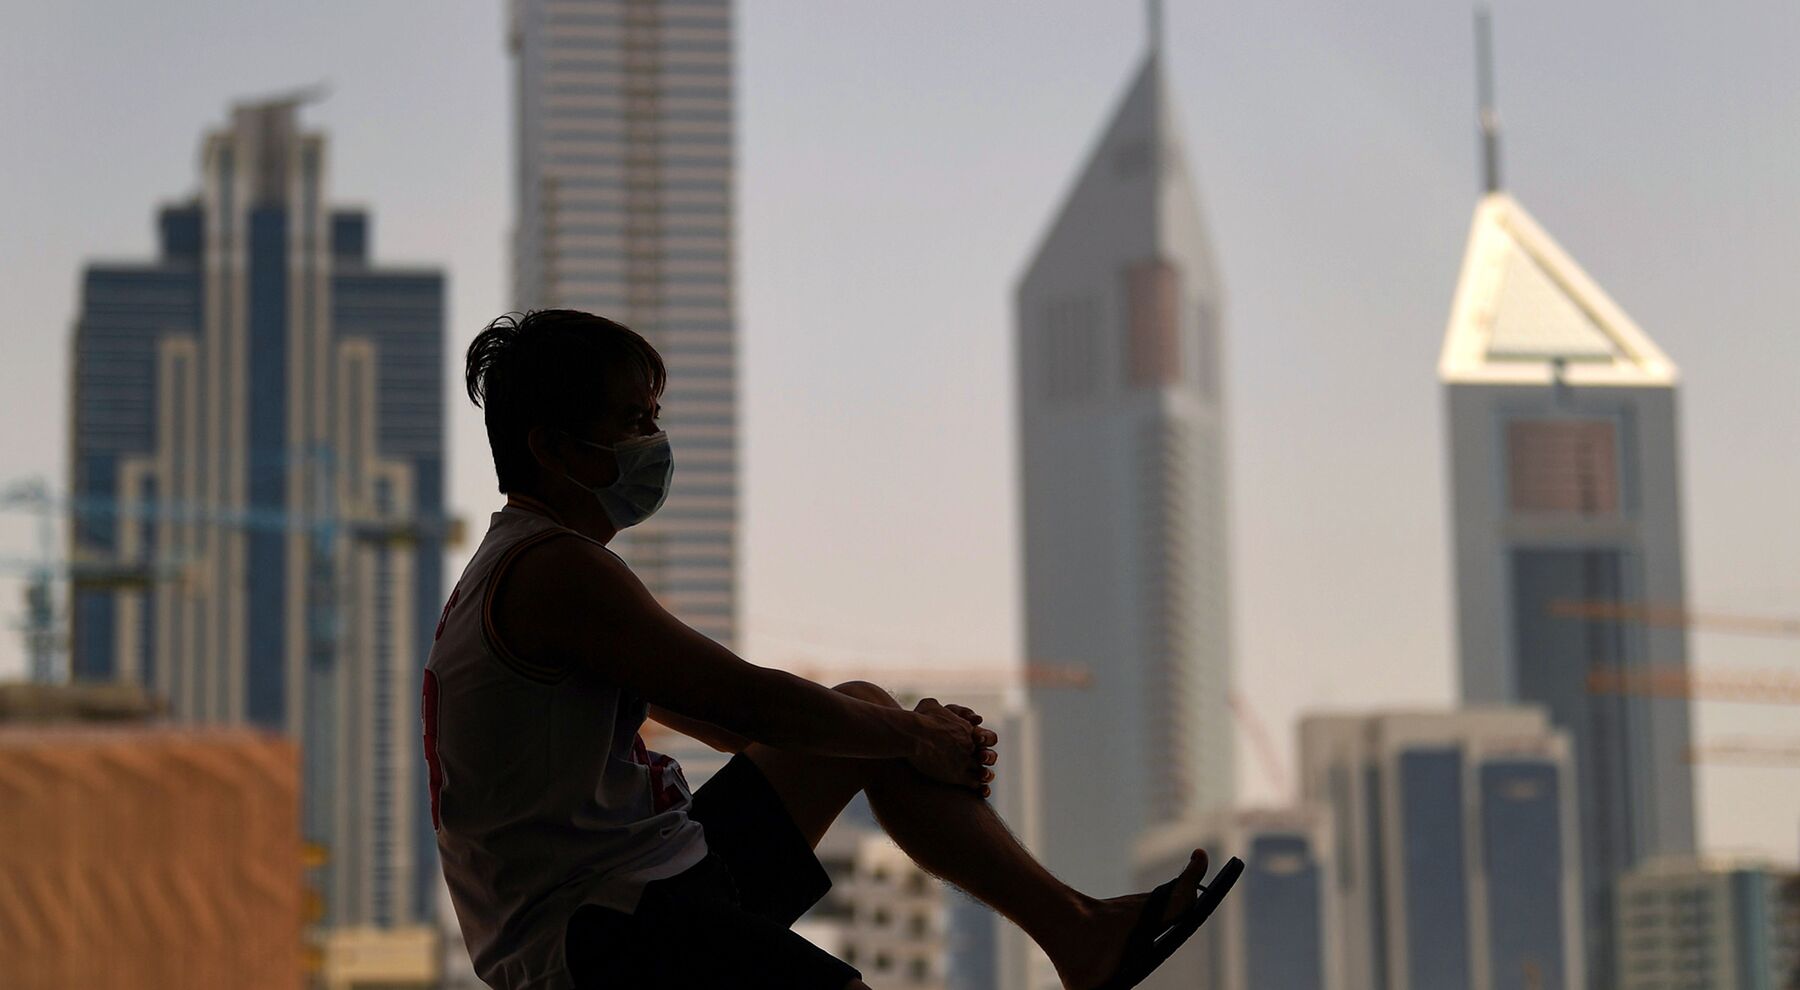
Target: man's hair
(551,367)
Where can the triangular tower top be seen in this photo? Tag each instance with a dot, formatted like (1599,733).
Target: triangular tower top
(1135,181)
(1525,313)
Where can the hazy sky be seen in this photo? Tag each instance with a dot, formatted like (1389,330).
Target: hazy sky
(898,162)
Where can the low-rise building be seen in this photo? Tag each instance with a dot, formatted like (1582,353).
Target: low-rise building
(1707,924)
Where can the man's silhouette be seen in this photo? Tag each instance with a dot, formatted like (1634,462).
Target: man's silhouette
(576,857)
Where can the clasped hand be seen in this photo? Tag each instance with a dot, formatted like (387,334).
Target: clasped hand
(954,748)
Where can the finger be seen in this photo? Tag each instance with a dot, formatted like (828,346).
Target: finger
(967,714)
(988,757)
(985,790)
(987,737)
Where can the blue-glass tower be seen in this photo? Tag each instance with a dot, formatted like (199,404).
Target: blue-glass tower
(258,420)
(1459,862)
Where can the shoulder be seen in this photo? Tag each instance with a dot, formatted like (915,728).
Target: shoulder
(551,590)
(564,567)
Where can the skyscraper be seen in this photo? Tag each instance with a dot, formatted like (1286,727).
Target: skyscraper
(1122,448)
(1456,850)
(258,420)
(624,206)
(1566,515)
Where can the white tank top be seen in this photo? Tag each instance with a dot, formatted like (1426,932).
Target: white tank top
(542,793)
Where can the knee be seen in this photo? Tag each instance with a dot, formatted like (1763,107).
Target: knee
(867,691)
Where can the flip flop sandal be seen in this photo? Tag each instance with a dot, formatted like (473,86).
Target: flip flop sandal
(1151,943)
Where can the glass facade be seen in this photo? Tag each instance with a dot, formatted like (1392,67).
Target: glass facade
(1435,881)
(125,311)
(1377,877)
(1522,862)
(1284,914)
(1555,657)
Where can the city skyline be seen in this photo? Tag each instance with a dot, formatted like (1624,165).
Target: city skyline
(1577,123)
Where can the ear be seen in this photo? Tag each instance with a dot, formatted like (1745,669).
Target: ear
(547,449)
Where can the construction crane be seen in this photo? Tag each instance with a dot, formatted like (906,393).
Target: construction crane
(992,676)
(1036,673)
(42,626)
(1748,752)
(1773,687)
(1654,614)
(1033,673)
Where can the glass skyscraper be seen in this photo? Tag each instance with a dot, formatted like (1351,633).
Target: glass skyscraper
(258,423)
(624,155)
(1566,515)
(1455,845)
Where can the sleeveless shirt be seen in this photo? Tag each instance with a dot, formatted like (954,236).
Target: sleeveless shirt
(543,795)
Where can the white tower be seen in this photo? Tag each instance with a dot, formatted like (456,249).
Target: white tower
(1566,514)
(1123,464)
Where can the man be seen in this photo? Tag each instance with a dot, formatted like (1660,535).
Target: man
(577,858)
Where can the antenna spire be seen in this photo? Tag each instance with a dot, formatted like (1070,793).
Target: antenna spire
(1156,26)
(1484,87)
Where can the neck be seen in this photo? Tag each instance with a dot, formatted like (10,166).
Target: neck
(579,513)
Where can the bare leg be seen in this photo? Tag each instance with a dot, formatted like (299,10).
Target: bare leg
(954,834)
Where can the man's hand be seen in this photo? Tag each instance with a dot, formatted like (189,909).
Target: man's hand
(953,748)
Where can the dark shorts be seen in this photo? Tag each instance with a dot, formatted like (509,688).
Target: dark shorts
(724,922)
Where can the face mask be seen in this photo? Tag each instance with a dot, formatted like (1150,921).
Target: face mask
(645,467)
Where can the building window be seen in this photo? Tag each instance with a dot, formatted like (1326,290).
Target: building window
(1153,324)
(1565,466)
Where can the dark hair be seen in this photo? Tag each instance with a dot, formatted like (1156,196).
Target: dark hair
(550,367)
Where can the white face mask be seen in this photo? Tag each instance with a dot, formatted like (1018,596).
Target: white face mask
(646,466)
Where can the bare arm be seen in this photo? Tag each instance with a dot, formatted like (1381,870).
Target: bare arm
(723,740)
(567,601)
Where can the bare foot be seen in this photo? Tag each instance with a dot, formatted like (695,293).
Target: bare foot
(1084,963)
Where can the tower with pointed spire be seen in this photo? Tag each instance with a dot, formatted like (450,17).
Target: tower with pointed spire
(1565,508)
(1122,447)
